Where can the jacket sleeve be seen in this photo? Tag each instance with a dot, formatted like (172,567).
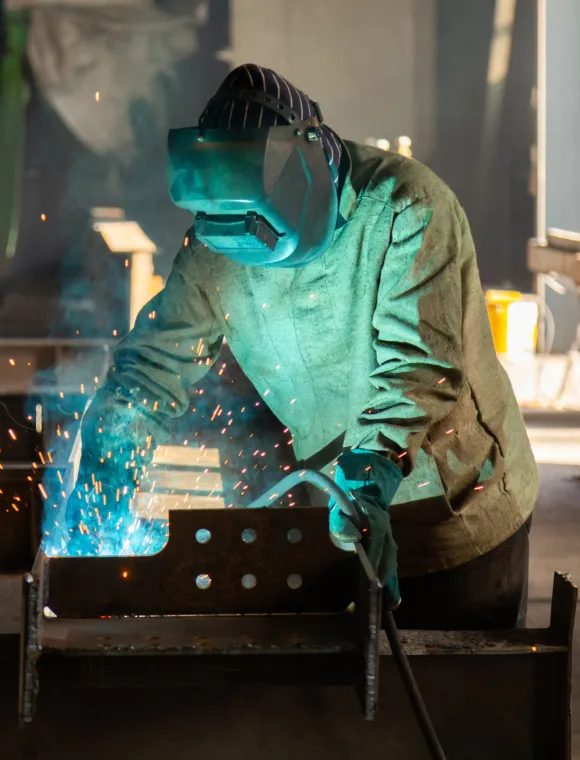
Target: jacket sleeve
(417,327)
(174,343)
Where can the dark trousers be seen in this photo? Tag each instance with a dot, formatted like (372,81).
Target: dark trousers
(490,592)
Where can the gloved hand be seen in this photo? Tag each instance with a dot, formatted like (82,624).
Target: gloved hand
(371,481)
(97,511)
(116,449)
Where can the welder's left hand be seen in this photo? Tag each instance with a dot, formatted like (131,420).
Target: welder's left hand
(371,481)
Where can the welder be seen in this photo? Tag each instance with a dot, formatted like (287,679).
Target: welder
(345,281)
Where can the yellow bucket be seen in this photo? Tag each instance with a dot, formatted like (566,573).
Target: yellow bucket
(513,317)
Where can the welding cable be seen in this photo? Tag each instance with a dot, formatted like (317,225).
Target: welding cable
(317,479)
(327,485)
(408,679)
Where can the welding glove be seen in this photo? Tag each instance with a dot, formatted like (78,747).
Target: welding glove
(370,480)
(98,516)
(114,457)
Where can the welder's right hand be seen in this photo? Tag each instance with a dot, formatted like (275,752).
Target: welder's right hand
(97,511)
(117,446)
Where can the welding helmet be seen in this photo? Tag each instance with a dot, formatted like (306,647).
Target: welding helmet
(262,197)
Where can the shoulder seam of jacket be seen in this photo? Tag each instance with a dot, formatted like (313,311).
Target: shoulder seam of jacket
(408,202)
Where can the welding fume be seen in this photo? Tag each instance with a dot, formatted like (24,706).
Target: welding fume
(344,279)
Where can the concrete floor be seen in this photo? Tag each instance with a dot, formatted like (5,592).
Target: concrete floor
(555,536)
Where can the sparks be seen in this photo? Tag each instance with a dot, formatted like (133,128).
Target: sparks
(12,362)
(42,491)
(12,434)
(422,485)
(443,379)
(97,96)
(43,217)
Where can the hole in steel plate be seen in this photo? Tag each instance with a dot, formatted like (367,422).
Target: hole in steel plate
(249,535)
(249,580)
(294,535)
(294,581)
(202,536)
(203,581)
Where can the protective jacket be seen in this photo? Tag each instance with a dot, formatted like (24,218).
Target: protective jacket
(383,343)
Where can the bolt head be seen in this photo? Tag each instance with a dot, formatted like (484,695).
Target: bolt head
(313,134)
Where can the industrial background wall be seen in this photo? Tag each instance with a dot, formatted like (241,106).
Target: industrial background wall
(372,65)
(380,69)
(563,117)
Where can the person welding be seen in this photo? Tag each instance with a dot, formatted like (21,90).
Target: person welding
(345,281)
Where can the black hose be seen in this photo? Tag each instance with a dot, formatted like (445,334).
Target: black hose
(325,484)
(411,688)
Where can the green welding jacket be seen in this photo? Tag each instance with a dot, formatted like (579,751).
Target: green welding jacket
(383,343)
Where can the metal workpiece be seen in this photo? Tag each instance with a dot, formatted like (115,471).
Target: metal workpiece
(234,583)
(30,647)
(490,694)
(216,561)
(259,606)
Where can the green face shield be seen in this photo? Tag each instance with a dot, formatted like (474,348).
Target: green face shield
(263,197)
